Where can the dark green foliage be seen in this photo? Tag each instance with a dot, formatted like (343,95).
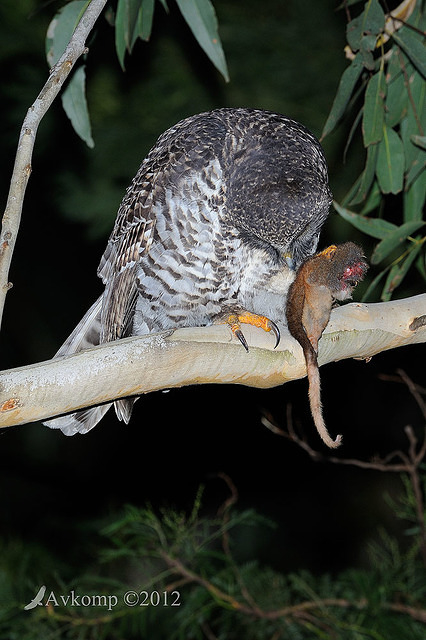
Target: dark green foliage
(133,19)
(177,576)
(388,68)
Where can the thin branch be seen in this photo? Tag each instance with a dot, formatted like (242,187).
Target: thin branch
(199,356)
(22,167)
(407,464)
(410,462)
(225,511)
(297,610)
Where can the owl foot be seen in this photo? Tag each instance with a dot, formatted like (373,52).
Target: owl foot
(234,320)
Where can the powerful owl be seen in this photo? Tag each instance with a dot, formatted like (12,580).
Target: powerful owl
(222,211)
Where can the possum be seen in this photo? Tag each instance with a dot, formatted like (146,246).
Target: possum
(328,276)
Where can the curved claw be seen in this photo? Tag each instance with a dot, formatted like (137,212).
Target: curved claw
(276,332)
(240,335)
(234,321)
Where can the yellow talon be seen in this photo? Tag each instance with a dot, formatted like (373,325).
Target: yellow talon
(234,320)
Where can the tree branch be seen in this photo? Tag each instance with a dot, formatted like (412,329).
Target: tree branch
(135,366)
(22,167)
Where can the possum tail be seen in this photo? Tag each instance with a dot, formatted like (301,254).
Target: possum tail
(315,400)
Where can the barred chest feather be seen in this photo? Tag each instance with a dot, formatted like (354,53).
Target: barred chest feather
(197,262)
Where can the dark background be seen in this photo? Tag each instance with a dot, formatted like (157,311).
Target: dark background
(284,56)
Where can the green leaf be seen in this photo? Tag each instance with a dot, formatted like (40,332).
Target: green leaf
(396,95)
(75,106)
(391,282)
(374,109)
(419,141)
(375,17)
(414,123)
(145,18)
(414,199)
(360,190)
(354,32)
(413,47)
(370,22)
(373,201)
(126,21)
(390,162)
(61,29)
(375,227)
(58,36)
(398,271)
(346,86)
(393,239)
(367,45)
(201,18)
(416,169)
(421,265)
(373,284)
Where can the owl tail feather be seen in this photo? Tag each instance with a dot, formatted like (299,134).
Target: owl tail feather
(86,335)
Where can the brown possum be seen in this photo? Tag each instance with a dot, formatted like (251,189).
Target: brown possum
(329,275)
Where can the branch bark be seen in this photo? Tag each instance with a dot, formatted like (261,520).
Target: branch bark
(135,366)
(22,167)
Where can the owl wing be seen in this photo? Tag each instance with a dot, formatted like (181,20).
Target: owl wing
(180,153)
(132,235)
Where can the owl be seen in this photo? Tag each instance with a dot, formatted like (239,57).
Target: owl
(222,211)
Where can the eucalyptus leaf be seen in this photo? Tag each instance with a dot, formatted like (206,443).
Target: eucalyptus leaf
(126,21)
(374,109)
(419,141)
(375,227)
(61,29)
(421,264)
(370,22)
(75,106)
(344,92)
(396,94)
(390,162)
(373,284)
(398,271)
(414,198)
(374,22)
(373,200)
(367,58)
(368,42)
(393,239)
(352,131)
(392,281)
(413,47)
(414,123)
(145,19)
(201,18)
(361,188)
(354,30)
(73,97)
(416,169)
